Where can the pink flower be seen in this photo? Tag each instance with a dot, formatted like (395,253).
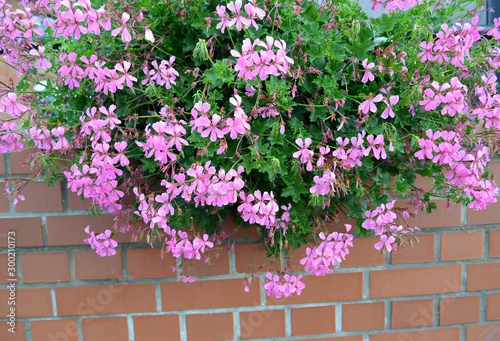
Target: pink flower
(238,18)
(386,242)
(61,142)
(224,20)
(303,153)
(369,104)
(427,54)
(126,77)
(213,129)
(120,148)
(11,106)
(249,91)
(253,12)
(393,100)
(368,74)
(126,37)
(377,146)
(148,35)
(41,60)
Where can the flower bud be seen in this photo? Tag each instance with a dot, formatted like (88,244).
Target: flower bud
(200,50)
(275,165)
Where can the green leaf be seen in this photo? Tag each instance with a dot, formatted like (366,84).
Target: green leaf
(219,74)
(360,48)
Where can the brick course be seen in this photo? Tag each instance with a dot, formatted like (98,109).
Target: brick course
(66,292)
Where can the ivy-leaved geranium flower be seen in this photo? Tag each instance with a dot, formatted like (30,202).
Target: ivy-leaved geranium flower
(369,104)
(126,37)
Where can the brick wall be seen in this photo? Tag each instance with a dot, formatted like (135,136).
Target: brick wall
(445,288)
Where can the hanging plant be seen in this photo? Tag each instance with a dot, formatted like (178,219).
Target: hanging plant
(173,115)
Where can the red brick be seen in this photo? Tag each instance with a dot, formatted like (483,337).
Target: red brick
(245,253)
(483,332)
(105,329)
(69,229)
(20,162)
(209,294)
(313,320)
(218,264)
(495,169)
(455,310)
(493,307)
(4,198)
(89,265)
(2,165)
(76,202)
(424,183)
(147,263)
(262,324)
(442,334)
(483,276)
(147,327)
(19,335)
(210,327)
(420,182)
(339,224)
(340,338)
(106,299)
(421,251)
(363,316)
(412,314)
(234,231)
(54,330)
(30,302)
(28,231)
(495,243)
(9,74)
(4,268)
(363,253)
(462,245)
(491,215)
(440,217)
(295,256)
(45,267)
(40,197)
(416,281)
(347,287)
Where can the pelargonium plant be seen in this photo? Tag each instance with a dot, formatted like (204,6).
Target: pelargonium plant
(173,115)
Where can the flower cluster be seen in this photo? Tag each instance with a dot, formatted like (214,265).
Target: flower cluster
(214,126)
(10,140)
(453,44)
(252,12)
(180,245)
(163,74)
(260,208)
(451,95)
(264,62)
(345,157)
(103,244)
(382,220)
(10,105)
(329,253)
(160,144)
(395,5)
(98,178)
(285,285)
(466,166)
(75,19)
